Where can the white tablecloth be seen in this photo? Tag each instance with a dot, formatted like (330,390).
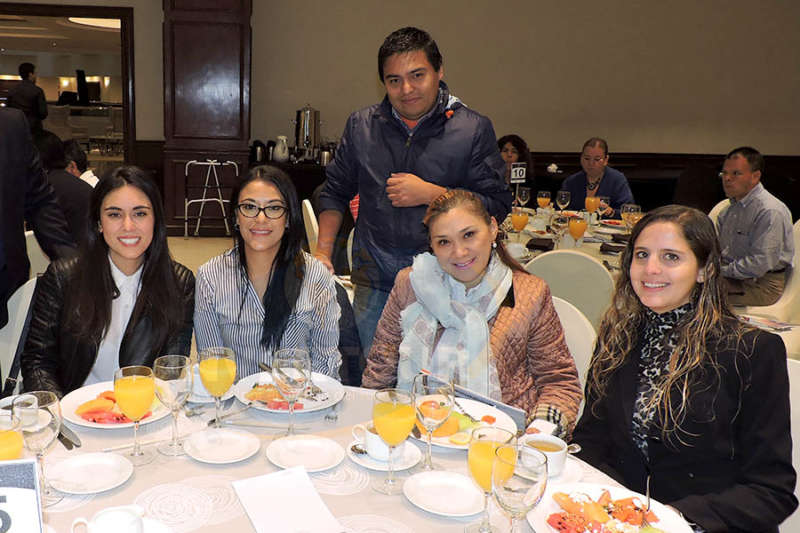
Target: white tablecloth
(191,496)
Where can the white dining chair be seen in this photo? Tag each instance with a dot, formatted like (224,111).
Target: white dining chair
(792,524)
(579,336)
(578,278)
(37,257)
(312,227)
(10,335)
(717,209)
(787,308)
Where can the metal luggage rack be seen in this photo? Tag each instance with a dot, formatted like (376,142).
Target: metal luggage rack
(211,170)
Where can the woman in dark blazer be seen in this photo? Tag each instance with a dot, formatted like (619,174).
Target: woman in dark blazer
(123,301)
(680,392)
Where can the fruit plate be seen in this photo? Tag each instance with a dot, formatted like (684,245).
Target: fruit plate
(71,401)
(668,520)
(477,410)
(333,392)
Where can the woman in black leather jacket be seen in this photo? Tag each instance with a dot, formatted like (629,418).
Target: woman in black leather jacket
(123,301)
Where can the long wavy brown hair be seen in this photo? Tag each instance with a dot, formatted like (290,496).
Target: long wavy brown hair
(710,323)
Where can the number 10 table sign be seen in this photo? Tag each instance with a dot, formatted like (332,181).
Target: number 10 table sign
(20,508)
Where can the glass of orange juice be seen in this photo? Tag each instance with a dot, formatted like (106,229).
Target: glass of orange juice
(480,459)
(393,416)
(217,368)
(543,198)
(577,226)
(135,390)
(10,437)
(519,219)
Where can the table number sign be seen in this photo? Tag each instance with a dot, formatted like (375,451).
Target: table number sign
(518,172)
(20,508)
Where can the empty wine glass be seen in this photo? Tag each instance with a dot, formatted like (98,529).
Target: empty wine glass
(558,225)
(543,198)
(523,195)
(217,368)
(563,199)
(605,204)
(433,401)
(39,415)
(291,372)
(135,389)
(519,478)
(173,375)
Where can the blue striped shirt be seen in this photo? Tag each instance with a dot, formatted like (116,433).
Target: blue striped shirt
(217,321)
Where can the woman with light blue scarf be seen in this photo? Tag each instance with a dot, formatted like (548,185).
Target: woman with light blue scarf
(469,311)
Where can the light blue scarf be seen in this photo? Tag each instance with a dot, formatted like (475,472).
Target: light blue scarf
(463,352)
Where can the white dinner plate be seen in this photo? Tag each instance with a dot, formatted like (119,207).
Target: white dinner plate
(220,446)
(89,473)
(155,526)
(406,456)
(71,401)
(444,493)
(477,410)
(667,520)
(333,389)
(314,453)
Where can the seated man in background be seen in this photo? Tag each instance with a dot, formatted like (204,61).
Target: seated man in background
(78,164)
(73,194)
(755,232)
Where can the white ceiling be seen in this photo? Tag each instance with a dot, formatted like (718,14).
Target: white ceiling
(54,34)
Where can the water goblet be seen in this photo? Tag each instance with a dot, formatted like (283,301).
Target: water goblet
(562,199)
(480,458)
(135,389)
(523,195)
(291,373)
(393,416)
(558,225)
(605,205)
(543,198)
(217,368)
(519,478)
(39,415)
(173,377)
(433,401)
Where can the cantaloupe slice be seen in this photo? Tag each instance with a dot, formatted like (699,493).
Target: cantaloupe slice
(98,404)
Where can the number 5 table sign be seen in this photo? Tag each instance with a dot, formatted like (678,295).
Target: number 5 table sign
(20,507)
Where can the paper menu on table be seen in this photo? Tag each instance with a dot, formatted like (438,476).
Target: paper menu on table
(285,501)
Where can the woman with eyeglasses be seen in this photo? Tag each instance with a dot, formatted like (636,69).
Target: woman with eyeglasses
(597,179)
(265,293)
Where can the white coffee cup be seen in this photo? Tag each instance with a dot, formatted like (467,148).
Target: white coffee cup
(371,441)
(552,447)
(125,519)
(198,389)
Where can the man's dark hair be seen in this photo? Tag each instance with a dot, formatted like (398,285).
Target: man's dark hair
(74,152)
(51,151)
(26,69)
(753,156)
(407,40)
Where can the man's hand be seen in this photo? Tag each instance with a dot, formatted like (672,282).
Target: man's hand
(325,260)
(408,190)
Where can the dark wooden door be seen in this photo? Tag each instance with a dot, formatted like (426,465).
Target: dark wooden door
(206,100)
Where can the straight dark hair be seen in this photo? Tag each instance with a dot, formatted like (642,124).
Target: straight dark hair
(74,152)
(753,156)
(409,39)
(89,297)
(288,267)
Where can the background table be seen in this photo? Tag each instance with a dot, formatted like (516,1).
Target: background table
(191,496)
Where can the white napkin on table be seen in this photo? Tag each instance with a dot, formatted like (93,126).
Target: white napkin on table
(285,501)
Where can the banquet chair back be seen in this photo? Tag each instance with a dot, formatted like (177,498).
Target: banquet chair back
(579,336)
(312,228)
(717,209)
(787,308)
(792,524)
(36,255)
(13,335)
(578,278)
(350,249)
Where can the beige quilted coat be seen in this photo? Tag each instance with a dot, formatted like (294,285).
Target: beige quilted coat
(536,371)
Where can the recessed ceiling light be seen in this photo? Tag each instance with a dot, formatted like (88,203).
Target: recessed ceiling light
(97,23)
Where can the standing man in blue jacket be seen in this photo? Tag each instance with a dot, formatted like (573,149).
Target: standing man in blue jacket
(399,155)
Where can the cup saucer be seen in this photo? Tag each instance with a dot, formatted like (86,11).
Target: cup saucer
(406,456)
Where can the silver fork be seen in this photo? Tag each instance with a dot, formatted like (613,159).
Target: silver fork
(465,413)
(190,412)
(645,523)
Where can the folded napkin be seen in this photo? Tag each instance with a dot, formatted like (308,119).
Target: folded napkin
(611,248)
(620,237)
(540,243)
(293,505)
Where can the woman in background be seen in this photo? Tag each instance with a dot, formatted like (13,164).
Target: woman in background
(469,311)
(265,293)
(122,301)
(681,393)
(514,149)
(597,179)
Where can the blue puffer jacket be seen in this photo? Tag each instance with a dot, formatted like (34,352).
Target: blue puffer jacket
(453,147)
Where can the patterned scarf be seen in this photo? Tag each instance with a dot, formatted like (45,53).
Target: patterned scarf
(660,337)
(463,352)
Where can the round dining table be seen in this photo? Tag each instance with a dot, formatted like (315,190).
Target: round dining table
(186,495)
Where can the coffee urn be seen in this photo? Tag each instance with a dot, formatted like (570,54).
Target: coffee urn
(306,129)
